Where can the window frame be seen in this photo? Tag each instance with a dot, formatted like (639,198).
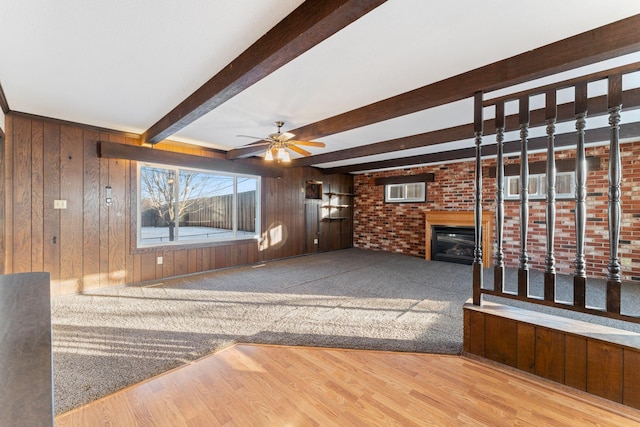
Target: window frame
(542,178)
(198,242)
(405,199)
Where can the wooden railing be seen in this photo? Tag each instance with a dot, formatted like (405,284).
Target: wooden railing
(614,100)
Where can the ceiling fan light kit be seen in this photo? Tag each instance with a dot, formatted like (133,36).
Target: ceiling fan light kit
(283,154)
(280,143)
(277,152)
(269,155)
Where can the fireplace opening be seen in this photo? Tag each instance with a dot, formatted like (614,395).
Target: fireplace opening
(452,244)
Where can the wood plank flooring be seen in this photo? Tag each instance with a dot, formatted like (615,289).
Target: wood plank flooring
(261,385)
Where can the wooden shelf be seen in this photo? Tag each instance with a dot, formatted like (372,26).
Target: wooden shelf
(331,193)
(338,207)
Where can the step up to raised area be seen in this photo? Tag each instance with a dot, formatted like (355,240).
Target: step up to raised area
(598,359)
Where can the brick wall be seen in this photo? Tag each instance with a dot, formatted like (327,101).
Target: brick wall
(399,227)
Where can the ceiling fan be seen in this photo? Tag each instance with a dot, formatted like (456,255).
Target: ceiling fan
(280,142)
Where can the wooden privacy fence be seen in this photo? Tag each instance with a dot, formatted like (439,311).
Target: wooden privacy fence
(610,104)
(213,212)
(217,212)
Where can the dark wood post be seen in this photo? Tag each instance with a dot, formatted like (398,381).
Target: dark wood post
(498,274)
(523,269)
(550,260)
(477,253)
(580,273)
(614,276)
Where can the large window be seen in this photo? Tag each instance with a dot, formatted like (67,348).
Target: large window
(565,186)
(178,205)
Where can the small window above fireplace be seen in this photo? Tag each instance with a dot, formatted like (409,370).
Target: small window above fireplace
(407,192)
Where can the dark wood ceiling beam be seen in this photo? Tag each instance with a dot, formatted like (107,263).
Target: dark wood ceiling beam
(249,151)
(599,75)
(145,154)
(609,41)
(597,107)
(562,140)
(4,104)
(311,23)
(426,139)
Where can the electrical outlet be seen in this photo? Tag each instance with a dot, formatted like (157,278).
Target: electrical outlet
(315,241)
(59,204)
(159,260)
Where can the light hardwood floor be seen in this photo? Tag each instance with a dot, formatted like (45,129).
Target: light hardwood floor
(260,385)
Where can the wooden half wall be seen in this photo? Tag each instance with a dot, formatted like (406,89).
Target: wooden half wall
(596,359)
(90,245)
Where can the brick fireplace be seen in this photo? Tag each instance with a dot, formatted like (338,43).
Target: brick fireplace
(459,219)
(400,227)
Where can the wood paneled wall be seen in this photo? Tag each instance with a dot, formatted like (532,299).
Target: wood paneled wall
(90,245)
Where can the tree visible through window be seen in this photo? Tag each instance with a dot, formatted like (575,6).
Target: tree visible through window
(182,205)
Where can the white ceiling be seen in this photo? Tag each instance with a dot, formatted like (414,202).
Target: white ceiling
(124,64)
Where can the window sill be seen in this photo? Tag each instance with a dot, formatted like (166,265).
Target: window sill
(539,199)
(192,245)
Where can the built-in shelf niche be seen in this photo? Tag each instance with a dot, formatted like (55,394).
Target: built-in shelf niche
(343,202)
(313,190)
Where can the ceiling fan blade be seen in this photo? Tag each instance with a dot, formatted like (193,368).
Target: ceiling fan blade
(285,136)
(299,150)
(309,143)
(255,144)
(259,138)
